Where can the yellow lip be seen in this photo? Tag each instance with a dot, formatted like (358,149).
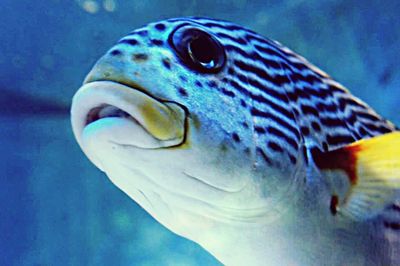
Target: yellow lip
(165,121)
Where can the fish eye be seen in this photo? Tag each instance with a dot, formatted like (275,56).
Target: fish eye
(198,49)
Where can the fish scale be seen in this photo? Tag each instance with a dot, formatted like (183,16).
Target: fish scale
(258,129)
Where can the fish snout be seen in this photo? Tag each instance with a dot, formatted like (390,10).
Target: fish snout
(110,112)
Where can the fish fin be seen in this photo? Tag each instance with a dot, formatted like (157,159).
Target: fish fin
(364,176)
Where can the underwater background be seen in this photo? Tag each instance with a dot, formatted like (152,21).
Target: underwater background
(56,208)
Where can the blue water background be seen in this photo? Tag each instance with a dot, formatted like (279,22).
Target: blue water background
(56,208)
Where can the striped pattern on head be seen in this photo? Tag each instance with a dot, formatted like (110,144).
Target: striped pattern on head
(289,101)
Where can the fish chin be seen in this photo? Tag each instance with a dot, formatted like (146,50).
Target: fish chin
(186,205)
(109,133)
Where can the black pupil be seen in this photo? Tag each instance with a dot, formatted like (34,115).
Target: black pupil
(198,49)
(202,49)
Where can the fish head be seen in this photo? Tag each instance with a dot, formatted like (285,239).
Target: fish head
(157,113)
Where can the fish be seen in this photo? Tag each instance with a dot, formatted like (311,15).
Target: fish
(234,141)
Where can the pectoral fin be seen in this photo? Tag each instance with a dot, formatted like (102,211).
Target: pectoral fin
(364,176)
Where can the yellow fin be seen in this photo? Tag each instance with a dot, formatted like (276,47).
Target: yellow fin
(364,176)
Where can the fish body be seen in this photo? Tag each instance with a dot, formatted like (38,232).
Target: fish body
(230,139)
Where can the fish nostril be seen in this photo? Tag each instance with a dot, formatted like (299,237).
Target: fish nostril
(140,57)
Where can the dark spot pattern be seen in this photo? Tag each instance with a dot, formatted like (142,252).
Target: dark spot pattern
(182,92)
(274,146)
(260,130)
(334,204)
(166,63)
(316,127)
(228,92)
(392,225)
(115,52)
(198,84)
(263,155)
(292,159)
(305,154)
(305,131)
(339,139)
(142,33)
(140,57)
(131,42)
(212,84)
(325,146)
(395,208)
(308,110)
(183,78)
(160,26)
(157,42)
(235,137)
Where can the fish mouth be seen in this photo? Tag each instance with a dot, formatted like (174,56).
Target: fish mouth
(105,111)
(125,115)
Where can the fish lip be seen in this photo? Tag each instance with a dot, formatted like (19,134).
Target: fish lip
(95,114)
(78,129)
(131,84)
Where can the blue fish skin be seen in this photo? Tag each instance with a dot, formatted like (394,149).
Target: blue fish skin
(242,182)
